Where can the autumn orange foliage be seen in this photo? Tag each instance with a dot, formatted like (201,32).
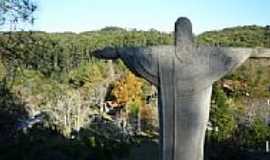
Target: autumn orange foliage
(127,89)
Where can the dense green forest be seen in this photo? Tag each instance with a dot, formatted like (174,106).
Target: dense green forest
(243,36)
(55,76)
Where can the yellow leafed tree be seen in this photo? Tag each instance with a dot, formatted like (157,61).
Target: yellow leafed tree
(128,89)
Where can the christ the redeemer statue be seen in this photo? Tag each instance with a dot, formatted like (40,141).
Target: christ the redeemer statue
(184,74)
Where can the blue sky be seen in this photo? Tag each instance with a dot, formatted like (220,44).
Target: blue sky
(84,15)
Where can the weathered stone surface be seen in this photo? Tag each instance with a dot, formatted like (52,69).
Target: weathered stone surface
(184,74)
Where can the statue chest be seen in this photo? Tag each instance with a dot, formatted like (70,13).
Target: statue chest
(191,77)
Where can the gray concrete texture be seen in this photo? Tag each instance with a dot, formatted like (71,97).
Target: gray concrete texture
(184,74)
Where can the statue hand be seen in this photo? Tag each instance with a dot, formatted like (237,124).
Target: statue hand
(107,53)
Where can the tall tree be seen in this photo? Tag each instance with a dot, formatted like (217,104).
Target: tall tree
(15,11)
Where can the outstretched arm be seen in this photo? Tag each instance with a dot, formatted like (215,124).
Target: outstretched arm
(141,61)
(106,53)
(224,60)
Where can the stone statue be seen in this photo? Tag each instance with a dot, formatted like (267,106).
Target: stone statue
(184,74)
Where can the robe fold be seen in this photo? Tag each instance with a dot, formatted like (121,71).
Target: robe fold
(184,84)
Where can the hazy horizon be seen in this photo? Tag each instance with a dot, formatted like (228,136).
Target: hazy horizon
(130,29)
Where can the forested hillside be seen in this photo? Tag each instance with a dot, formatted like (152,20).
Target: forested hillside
(54,76)
(246,36)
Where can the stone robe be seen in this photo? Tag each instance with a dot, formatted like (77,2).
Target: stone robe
(184,74)
(185,87)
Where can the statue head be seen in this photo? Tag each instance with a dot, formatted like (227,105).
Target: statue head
(183,39)
(183,31)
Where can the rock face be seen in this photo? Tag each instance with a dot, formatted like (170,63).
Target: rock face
(184,74)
